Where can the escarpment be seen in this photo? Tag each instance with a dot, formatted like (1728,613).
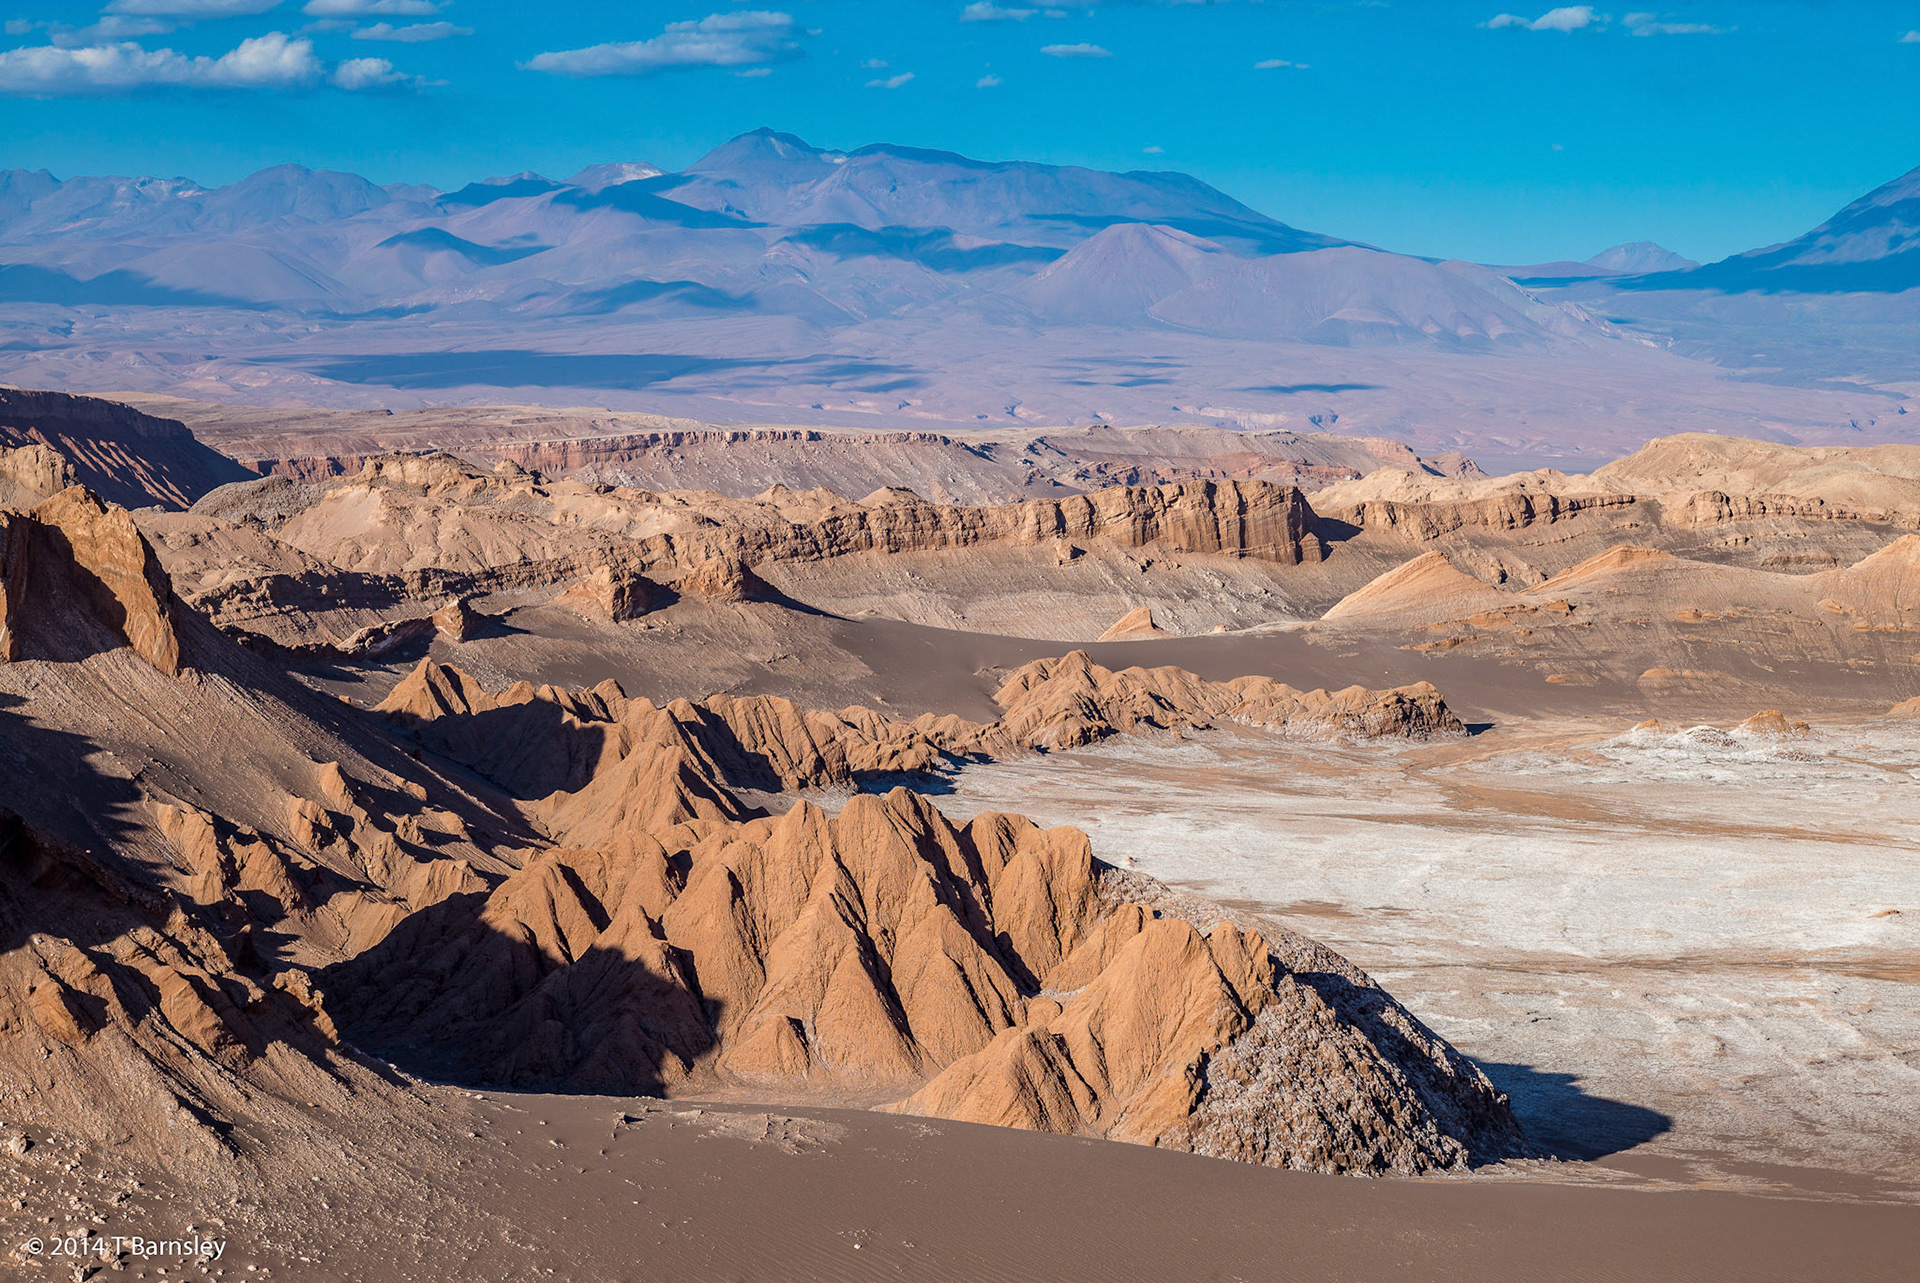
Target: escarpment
(126,456)
(310,564)
(462,518)
(1421,522)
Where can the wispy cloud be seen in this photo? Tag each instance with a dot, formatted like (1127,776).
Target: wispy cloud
(1573,17)
(717,40)
(272,61)
(1650,24)
(1075,51)
(891,82)
(369,8)
(1279,64)
(413,33)
(1153,151)
(110,28)
(988,81)
(191,8)
(987,12)
(1911,38)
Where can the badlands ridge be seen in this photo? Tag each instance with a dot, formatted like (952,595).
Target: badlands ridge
(306,803)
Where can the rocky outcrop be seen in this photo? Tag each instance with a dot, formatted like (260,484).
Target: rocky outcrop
(457,621)
(614,594)
(1712,507)
(539,740)
(1156,1032)
(82,561)
(1136,625)
(1071,701)
(724,579)
(30,473)
(16,536)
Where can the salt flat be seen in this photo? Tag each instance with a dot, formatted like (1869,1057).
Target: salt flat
(1665,944)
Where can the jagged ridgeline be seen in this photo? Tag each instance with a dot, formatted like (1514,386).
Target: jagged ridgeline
(211,871)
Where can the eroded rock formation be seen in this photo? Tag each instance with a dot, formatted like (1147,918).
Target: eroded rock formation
(676,939)
(75,567)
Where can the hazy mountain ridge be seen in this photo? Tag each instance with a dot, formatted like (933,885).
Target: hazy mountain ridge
(869,233)
(1873,245)
(776,282)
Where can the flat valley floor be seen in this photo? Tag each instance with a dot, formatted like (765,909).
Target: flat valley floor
(1693,952)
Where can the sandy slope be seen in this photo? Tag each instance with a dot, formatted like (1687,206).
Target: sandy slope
(619,1188)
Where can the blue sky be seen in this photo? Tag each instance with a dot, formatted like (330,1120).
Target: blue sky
(1493,131)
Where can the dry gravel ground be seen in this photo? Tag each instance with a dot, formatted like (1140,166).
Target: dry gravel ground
(1692,948)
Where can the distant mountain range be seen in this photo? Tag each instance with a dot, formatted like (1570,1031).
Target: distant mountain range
(776,280)
(1871,246)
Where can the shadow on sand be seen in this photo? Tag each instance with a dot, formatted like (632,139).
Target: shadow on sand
(1568,1122)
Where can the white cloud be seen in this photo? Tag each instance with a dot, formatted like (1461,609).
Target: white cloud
(413,33)
(1277,64)
(1075,51)
(718,40)
(988,81)
(1153,151)
(1573,17)
(753,73)
(369,8)
(891,82)
(874,64)
(987,12)
(356,74)
(1649,24)
(271,61)
(1911,38)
